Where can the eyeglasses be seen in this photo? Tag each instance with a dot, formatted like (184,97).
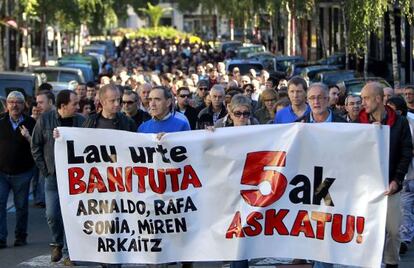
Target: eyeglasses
(249,90)
(269,100)
(203,88)
(319,98)
(184,96)
(239,114)
(128,102)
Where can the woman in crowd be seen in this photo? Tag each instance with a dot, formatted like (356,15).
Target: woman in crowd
(267,113)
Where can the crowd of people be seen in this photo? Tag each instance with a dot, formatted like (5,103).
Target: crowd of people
(159,86)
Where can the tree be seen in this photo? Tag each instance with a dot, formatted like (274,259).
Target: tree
(155,13)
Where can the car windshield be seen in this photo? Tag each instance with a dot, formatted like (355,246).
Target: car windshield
(245,67)
(356,87)
(9,85)
(67,77)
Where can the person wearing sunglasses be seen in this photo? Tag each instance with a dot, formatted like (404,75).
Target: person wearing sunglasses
(239,113)
(183,106)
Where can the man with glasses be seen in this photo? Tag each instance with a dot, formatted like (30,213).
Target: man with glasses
(16,166)
(352,107)
(409,98)
(298,108)
(130,104)
(209,115)
(202,92)
(183,106)
(318,99)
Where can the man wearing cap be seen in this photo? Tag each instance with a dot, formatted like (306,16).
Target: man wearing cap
(16,166)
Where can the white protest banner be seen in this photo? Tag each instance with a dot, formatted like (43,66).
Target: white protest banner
(308,191)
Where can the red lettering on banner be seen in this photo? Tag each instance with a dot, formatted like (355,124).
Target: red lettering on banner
(235,228)
(258,223)
(302,225)
(254,227)
(190,177)
(254,174)
(121,180)
(321,218)
(348,234)
(96,182)
(76,184)
(275,221)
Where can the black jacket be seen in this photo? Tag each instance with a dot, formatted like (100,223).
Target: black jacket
(140,117)
(15,154)
(401,147)
(43,143)
(122,122)
(205,117)
(191,114)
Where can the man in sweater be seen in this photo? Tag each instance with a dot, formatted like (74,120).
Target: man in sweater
(16,166)
(163,119)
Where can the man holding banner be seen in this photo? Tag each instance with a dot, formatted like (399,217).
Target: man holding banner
(374,112)
(67,103)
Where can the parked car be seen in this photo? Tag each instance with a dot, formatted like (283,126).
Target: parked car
(84,66)
(27,83)
(244,66)
(331,78)
(61,77)
(100,49)
(79,58)
(244,51)
(233,45)
(296,68)
(336,59)
(110,45)
(354,86)
(309,73)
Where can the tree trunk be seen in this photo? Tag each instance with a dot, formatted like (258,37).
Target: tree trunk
(289,32)
(43,45)
(319,35)
(395,69)
(366,53)
(1,43)
(346,39)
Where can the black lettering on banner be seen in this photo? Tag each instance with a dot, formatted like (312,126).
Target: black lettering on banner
(321,188)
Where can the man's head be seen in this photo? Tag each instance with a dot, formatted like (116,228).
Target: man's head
(202,88)
(45,101)
(297,87)
(353,106)
(15,104)
(81,91)
(248,90)
(388,93)
(183,97)
(67,103)
(318,98)
(110,98)
(130,102)
(372,97)
(160,101)
(217,96)
(90,90)
(212,73)
(144,91)
(245,80)
(333,95)
(409,94)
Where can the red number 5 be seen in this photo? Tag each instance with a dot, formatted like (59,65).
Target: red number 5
(254,174)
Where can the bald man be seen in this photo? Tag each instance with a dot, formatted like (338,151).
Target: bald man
(375,112)
(388,93)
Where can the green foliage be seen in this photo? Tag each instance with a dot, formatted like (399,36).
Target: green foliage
(154,13)
(163,32)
